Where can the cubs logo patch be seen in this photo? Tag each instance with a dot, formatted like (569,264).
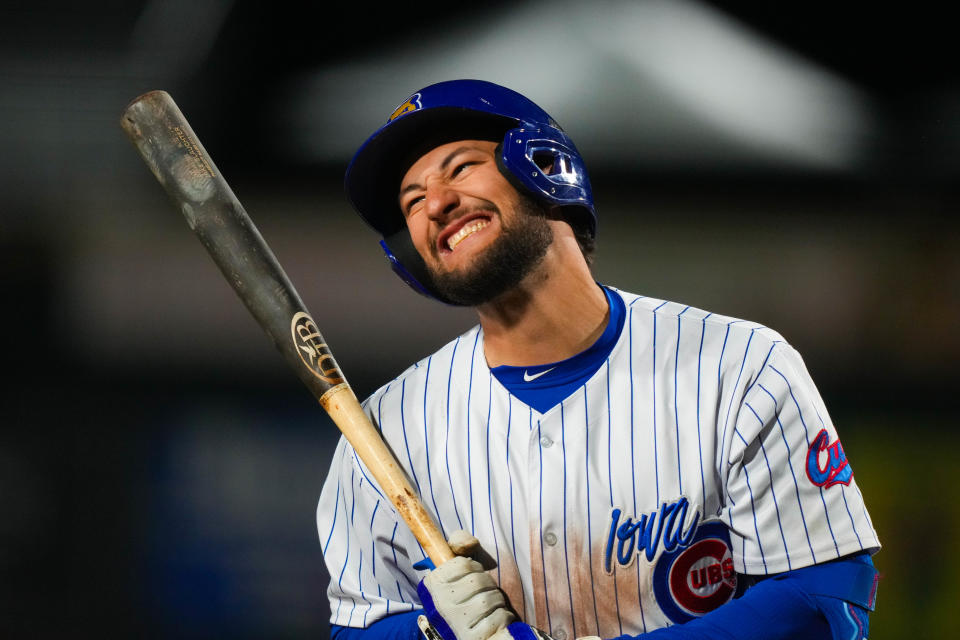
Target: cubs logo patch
(692,581)
(836,469)
(412,104)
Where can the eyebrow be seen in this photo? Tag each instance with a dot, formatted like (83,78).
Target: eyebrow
(443,165)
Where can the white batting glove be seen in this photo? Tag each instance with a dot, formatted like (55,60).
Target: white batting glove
(461,601)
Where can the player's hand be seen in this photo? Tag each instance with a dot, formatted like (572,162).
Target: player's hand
(461,601)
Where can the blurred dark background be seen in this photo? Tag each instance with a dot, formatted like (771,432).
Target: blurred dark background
(792,163)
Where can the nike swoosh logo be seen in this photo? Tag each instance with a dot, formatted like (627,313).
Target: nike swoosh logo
(530,378)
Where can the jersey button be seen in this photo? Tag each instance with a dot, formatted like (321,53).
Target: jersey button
(545,442)
(551,539)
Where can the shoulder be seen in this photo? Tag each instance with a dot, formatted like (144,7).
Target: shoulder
(649,310)
(420,371)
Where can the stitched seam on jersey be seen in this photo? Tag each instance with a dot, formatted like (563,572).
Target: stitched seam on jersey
(722,445)
(373,563)
(853,524)
(773,489)
(806,433)
(796,485)
(753,509)
(346,555)
(336,504)
(369,487)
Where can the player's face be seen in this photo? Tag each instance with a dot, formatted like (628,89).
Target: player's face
(478,236)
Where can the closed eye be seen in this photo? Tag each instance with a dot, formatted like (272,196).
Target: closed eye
(458,169)
(408,207)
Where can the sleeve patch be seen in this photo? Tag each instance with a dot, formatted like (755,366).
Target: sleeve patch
(827,463)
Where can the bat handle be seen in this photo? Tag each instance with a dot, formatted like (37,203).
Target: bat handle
(342,405)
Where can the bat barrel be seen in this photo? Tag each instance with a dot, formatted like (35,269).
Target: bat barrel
(168,145)
(174,154)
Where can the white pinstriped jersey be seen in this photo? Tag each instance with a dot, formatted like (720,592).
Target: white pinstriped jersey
(700,447)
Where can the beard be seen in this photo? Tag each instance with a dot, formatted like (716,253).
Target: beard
(520,247)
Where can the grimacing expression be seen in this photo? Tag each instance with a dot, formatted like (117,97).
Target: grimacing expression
(477,235)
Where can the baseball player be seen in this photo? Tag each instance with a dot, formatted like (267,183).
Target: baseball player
(618,465)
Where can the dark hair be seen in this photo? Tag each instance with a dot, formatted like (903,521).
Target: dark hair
(585,239)
(577,217)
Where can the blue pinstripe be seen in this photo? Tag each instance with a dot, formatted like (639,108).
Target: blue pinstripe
(493,525)
(846,505)
(773,489)
(513,539)
(753,507)
(616,590)
(373,562)
(515,499)
(347,555)
(396,563)
(566,550)
(333,525)
(446,442)
(473,354)
(806,432)
(853,525)
(743,362)
(793,474)
(653,382)
(543,560)
(703,483)
(586,458)
(426,446)
(633,465)
(406,441)
(676,406)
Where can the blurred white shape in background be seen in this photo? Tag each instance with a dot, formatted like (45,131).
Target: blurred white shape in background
(653,83)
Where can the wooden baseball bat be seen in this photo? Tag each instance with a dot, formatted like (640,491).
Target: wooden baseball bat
(168,145)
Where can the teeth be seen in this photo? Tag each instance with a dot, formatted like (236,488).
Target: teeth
(458,237)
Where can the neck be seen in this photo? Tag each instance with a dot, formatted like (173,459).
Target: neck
(556,312)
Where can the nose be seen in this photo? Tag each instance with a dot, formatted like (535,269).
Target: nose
(440,199)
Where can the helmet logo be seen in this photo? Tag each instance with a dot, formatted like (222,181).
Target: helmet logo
(412,104)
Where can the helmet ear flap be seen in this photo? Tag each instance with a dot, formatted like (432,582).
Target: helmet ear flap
(543,163)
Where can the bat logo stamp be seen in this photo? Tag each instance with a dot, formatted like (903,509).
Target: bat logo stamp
(312,350)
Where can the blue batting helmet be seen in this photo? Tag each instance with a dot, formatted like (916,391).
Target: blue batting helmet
(456,110)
